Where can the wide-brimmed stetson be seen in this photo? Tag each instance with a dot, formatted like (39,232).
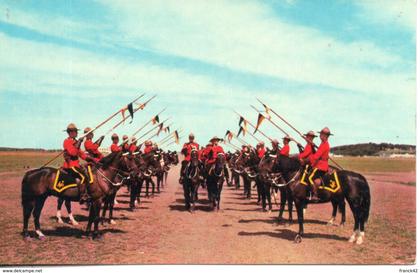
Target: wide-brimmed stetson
(87,130)
(326,131)
(215,138)
(71,127)
(310,134)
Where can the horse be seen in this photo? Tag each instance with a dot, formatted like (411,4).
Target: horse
(266,176)
(351,186)
(214,180)
(191,180)
(38,185)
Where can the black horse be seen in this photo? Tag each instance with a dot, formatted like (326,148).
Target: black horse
(215,178)
(191,180)
(350,186)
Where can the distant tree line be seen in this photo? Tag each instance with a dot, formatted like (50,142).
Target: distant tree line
(373,149)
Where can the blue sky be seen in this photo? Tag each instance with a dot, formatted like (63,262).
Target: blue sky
(349,65)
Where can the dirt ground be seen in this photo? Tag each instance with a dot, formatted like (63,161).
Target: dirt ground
(160,231)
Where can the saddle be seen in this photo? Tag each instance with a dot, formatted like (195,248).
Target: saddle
(65,180)
(329,181)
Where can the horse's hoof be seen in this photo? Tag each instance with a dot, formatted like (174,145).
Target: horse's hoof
(27,237)
(97,236)
(42,238)
(352,238)
(112,222)
(330,223)
(60,221)
(298,239)
(269,211)
(74,223)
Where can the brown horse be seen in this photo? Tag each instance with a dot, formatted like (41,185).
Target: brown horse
(350,186)
(38,184)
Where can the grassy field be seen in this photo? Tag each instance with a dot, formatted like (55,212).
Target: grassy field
(377,164)
(21,161)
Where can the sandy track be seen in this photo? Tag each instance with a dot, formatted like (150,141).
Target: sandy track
(161,231)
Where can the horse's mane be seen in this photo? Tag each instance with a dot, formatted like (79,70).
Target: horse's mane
(107,160)
(288,164)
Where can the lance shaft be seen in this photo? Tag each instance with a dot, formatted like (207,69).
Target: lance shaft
(94,129)
(253,126)
(168,137)
(297,131)
(135,110)
(166,145)
(278,127)
(141,128)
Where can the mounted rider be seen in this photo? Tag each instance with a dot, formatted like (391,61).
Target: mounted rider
(261,149)
(133,145)
(215,150)
(148,147)
(186,151)
(92,147)
(319,162)
(125,145)
(286,148)
(274,147)
(71,164)
(309,148)
(115,148)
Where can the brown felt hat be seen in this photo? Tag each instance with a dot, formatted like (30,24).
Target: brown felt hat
(214,138)
(326,131)
(310,133)
(87,129)
(72,127)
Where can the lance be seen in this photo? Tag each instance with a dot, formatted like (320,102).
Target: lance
(148,132)
(168,137)
(262,133)
(158,132)
(296,130)
(135,110)
(94,129)
(147,123)
(233,145)
(169,144)
(278,127)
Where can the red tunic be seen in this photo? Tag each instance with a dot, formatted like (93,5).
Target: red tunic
(261,152)
(306,152)
(115,148)
(216,150)
(285,150)
(71,153)
(92,149)
(148,149)
(189,146)
(319,160)
(132,148)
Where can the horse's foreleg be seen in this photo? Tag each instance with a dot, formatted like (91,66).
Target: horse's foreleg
(96,217)
(342,207)
(289,205)
(299,208)
(60,202)
(105,208)
(282,203)
(111,210)
(68,207)
(268,196)
(39,204)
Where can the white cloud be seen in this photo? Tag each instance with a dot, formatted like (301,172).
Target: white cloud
(247,36)
(400,12)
